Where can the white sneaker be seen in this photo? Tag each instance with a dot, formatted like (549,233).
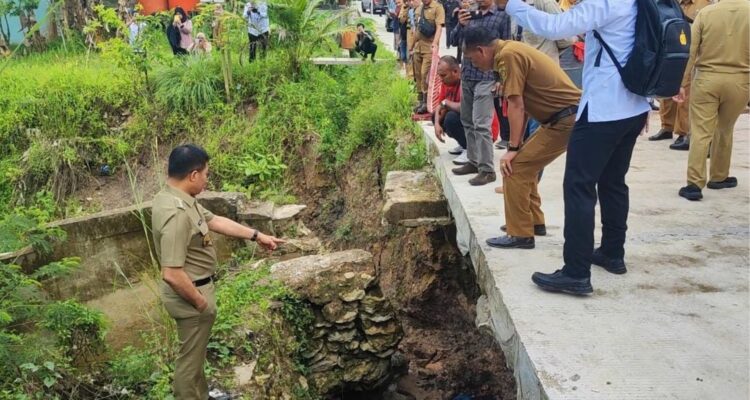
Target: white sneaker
(461,159)
(456,150)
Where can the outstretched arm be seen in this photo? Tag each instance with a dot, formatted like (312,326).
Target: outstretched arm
(586,16)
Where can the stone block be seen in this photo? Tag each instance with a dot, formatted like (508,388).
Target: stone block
(413,198)
(320,278)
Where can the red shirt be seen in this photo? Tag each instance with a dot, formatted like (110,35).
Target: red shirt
(453,93)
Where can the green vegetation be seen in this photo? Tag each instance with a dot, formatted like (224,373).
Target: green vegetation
(95,100)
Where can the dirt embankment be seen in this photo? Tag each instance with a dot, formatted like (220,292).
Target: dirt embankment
(423,274)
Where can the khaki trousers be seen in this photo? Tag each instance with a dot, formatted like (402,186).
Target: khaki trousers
(675,116)
(193,331)
(422,63)
(523,205)
(715,104)
(410,60)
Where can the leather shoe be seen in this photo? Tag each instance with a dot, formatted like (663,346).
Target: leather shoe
(691,192)
(730,182)
(661,135)
(612,265)
(483,178)
(681,143)
(558,281)
(465,169)
(511,242)
(539,230)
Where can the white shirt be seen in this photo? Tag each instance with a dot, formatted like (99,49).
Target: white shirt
(257,23)
(604,93)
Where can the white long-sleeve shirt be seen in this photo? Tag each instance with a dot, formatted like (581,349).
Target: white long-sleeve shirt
(604,93)
(257,22)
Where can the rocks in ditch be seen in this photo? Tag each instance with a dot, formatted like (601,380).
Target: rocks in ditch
(356,331)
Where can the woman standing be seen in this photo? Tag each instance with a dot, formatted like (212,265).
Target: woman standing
(184,26)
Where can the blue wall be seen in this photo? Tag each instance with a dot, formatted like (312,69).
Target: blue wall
(15,24)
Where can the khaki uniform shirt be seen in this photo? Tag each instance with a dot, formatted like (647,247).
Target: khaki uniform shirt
(527,72)
(181,237)
(433,13)
(691,7)
(720,39)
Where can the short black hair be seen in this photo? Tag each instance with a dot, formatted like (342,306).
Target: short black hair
(451,61)
(361,24)
(185,159)
(477,36)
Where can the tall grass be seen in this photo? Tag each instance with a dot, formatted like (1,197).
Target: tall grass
(190,85)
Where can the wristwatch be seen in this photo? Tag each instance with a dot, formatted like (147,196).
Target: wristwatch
(443,103)
(513,148)
(255,235)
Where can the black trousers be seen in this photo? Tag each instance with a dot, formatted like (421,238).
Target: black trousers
(504,123)
(258,41)
(598,158)
(454,128)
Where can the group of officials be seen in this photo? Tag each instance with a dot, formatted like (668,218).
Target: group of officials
(598,127)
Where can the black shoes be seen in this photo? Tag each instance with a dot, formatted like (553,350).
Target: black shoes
(612,265)
(560,282)
(465,169)
(482,178)
(421,108)
(511,242)
(539,230)
(691,192)
(661,135)
(725,184)
(681,143)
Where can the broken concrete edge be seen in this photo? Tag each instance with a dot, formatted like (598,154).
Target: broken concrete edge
(497,319)
(413,198)
(12,255)
(415,223)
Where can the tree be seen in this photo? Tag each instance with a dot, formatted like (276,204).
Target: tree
(302,27)
(6,8)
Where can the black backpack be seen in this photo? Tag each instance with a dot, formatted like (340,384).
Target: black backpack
(660,53)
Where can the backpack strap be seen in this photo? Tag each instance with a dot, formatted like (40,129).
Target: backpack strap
(606,47)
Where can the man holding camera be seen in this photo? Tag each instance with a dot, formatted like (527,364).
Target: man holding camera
(478,90)
(430,18)
(256,14)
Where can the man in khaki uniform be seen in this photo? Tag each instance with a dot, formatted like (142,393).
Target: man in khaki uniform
(188,260)
(403,16)
(674,116)
(433,13)
(720,55)
(535,85)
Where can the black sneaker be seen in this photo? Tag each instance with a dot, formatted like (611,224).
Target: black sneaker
(465,169)
(483,178)
(730,182)
(511,242)
(681,143)
(661,135)
(539,230)
(612,265)
(558,281)
(691,192)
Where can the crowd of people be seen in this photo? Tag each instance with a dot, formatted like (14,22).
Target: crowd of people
(518,67)
(183,41)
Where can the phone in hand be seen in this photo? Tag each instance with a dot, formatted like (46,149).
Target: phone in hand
(475,14)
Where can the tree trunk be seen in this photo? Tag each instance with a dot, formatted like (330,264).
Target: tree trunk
(77,13)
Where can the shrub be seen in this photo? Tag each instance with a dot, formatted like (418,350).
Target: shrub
(79,330)
(189,86)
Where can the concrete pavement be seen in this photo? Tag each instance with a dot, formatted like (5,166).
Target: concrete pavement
(676,326)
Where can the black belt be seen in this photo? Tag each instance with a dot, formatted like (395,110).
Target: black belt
(565,112)
(204,281)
